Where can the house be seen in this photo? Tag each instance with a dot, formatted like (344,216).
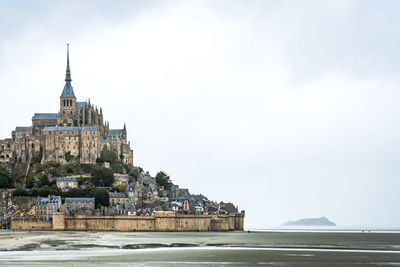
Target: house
(211,210)
(144,176)
(183,192)
(186,206)
(174,191)
(121,178)
(79,204)
(126,209)
(46,207)
(162,192)
(66,183)
(199,208)
(134,191)
(227,208)
(148,181)
(164,199)
(154,193)
(145,212)
(176,206)
(117,198)
(151,194)
(110,211)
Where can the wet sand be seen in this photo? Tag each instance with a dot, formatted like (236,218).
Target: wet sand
(200,249)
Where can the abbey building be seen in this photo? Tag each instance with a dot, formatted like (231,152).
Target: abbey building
(77,130)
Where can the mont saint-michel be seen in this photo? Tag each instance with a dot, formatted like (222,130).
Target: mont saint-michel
(70,171)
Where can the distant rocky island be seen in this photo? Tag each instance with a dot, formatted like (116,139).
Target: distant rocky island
(322,221)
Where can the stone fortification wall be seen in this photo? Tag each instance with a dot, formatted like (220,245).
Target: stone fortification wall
(182,223)
(106,223)
(30,224)
(162,222)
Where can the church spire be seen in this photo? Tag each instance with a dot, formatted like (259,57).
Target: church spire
(68,90)
(68,71)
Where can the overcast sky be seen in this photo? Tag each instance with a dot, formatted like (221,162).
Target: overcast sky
(289,109)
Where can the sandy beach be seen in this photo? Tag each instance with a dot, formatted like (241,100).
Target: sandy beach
(200,249)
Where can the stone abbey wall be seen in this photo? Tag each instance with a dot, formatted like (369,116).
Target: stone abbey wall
(162,222)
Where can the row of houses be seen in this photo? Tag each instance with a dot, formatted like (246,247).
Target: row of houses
(46,207)
(141,197)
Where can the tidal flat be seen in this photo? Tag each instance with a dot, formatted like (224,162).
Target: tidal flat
(199,248)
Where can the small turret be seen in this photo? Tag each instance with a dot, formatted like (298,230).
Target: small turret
(124,133)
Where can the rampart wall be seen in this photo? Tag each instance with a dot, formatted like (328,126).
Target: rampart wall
(161,222)
(31,224)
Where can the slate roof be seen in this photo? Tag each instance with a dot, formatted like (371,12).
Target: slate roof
(212,209)
(81,104)
(89,128)
(116,132)
(128,206)
(118,195)
(67,128)
(148,181)
(229,207)
(79,199)
(174,187)
(182,193)
(66,179)
(68,90)
(23,129)
(45,116)
(45,201)
(158,208)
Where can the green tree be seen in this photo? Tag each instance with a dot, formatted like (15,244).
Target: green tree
(163,179)
(5,178)
(134,171)
(30,181)
(117,166)
(75,192)
(20,192)
(88,192)
(120,187)
(101,197)
(108,156)
(68,156)
(44,191)
(54,190)
(52,171)
(71,168)
(36,159)
(44,180)
(34,193)
(102,176)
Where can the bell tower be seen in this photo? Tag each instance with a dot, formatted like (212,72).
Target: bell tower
(67,99)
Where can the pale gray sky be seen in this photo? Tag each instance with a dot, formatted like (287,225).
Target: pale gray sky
(287,108)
